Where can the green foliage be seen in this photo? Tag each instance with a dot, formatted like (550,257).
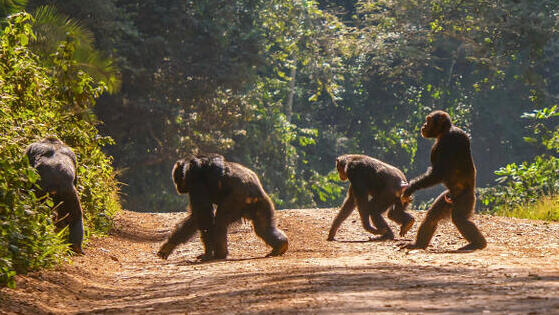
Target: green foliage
(249,79)
(36,101)
(549,136)
(523,184)
(51,28)
(8,7)
(530,184)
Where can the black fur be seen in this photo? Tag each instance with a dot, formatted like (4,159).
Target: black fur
(236,191)
(56,164)
(451,164)
(382,181)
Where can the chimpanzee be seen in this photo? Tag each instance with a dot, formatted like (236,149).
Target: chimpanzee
(451,164)
(56,164)
(211,180)
(382,181)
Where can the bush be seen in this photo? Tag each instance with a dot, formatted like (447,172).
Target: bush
(36,101)
(529,190)
(523,184)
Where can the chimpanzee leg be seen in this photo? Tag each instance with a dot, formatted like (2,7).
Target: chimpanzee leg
(227,212)
(203,212)
(461,217)
(399,215)
(206,225)
(265,227)
(438,211)
(345,211)
(182,234)
(378,205)
(363,205)
(70,213)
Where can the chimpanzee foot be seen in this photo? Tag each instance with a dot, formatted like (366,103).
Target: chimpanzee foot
(77,249)
(406,227)
(280,250)
(165,250)
(471,247)
(378,231)
(385,237)
(412,246)
(205,257)
(221,256)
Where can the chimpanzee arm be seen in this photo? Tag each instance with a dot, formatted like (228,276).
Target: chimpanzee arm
(182,233)
(345,211)
(203,210)
(430,178)
(70,213)
(441,156)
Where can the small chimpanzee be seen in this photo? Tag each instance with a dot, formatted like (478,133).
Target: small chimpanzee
(210,180)
(451,164)
(382,181)
(56,164)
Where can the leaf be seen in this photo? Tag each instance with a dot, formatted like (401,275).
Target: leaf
(23,39)
(313,98)
(530,139)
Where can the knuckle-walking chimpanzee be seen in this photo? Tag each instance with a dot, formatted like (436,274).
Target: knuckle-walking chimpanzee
(236,191)
(56,164)
(382,181)
(451,164)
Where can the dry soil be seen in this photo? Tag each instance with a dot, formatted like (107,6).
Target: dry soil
(517,274)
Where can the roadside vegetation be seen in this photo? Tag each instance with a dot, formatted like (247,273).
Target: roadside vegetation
(38,100)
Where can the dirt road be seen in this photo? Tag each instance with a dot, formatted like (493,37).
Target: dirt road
(517,273)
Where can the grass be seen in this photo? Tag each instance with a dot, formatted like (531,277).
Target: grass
(546,209)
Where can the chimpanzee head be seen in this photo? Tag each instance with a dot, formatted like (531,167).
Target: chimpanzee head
(179,174)
(341,165)
(202,169)
(436,123)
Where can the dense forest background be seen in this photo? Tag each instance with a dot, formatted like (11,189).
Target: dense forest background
(286,86)
(280,86)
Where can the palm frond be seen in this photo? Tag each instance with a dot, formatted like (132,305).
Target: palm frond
(52,27)
(8,7)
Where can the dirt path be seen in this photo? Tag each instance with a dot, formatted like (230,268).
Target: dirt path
(517,273)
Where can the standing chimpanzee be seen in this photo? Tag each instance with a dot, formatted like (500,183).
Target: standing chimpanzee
(56,164)
(382,181)
(451,164)
(238,194)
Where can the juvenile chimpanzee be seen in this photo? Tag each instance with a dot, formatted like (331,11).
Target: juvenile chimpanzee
(56,164)
(451,164)
(237,192)
(382,181)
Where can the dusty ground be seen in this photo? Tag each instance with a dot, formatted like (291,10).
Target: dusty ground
(517,273)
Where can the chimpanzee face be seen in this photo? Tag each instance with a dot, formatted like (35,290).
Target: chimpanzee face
(341,166)
(428,127)
(435,123)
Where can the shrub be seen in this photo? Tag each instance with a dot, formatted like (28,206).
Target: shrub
(36,101)
(525,190)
